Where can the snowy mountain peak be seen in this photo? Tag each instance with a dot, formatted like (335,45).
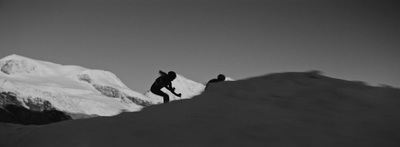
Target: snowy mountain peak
(186,86)
(40,85)
(15,57)
(15,64)
(67,88)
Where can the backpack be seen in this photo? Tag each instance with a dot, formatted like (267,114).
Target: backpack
(162,73)
(160,81)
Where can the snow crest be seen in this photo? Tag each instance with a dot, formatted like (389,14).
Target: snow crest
(68,88)
(78,90)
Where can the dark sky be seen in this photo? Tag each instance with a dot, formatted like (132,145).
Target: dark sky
(353,40)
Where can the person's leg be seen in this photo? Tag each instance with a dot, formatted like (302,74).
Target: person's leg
(166,98)
(160,93)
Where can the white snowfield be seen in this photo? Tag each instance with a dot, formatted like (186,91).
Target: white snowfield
(79,90)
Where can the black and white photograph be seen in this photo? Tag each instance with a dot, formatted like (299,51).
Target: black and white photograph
(199,73)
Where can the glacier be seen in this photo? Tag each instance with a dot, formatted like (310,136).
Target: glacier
(76,90)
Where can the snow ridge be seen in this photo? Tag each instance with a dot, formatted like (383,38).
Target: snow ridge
(68,88)
(38,85)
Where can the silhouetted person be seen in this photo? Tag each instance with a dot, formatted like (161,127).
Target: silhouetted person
(164,81)
(220,78)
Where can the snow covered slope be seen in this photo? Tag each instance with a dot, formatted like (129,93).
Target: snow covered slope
(186,87)
(67,88)
(285,109)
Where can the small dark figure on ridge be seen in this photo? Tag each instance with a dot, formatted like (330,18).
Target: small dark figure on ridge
(164,81)
(220,78)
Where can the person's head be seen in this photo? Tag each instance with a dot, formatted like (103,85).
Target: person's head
(221,77)
(171,75)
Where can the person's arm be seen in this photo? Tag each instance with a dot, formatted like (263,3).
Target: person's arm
(169,87)
(177,94)
(172,89)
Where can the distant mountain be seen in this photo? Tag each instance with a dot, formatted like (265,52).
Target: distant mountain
(282,109)
(30,87)
(75,91)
